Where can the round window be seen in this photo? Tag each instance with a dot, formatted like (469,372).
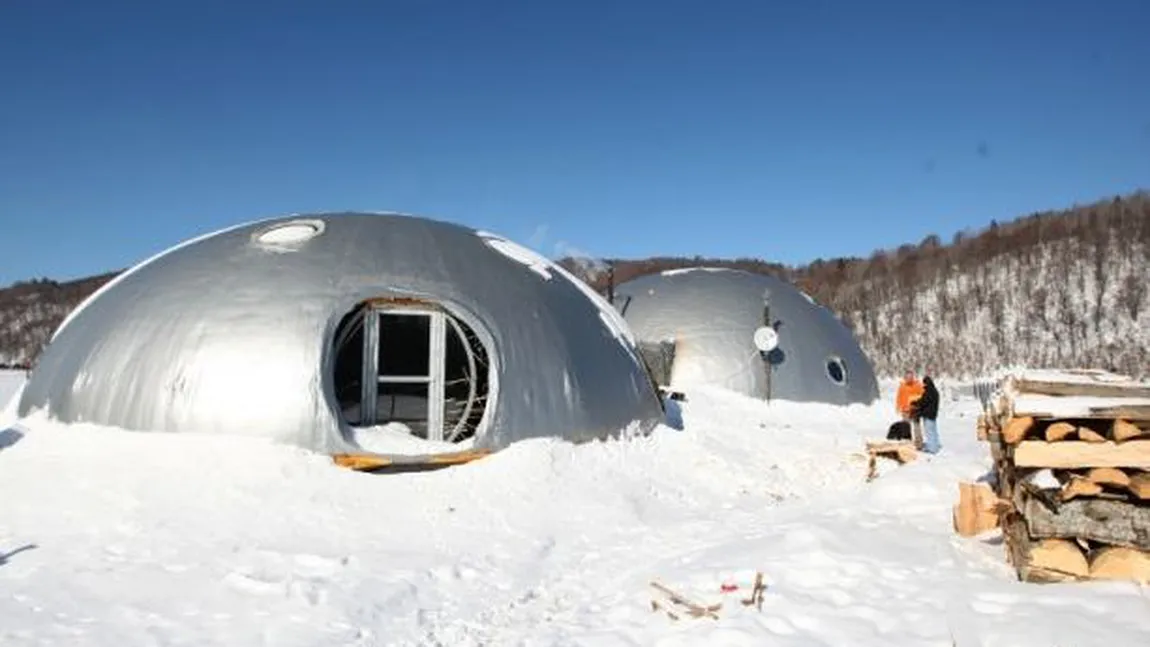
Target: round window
(836,370)
(289,234)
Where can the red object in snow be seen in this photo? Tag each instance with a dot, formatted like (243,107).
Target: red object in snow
(729,588)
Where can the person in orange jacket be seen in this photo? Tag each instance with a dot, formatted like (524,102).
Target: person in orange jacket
(909,391)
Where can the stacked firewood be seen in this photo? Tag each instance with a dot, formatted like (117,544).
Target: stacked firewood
(1071,478)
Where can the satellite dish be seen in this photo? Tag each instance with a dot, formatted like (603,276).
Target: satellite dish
(766,339)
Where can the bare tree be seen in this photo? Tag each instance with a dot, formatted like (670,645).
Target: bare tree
(1132,295)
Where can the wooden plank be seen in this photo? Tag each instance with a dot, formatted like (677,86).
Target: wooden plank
(1120,523)
(1072,454)
(367,462)
(361,461)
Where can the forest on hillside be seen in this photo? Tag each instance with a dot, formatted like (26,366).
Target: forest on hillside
(1058,288)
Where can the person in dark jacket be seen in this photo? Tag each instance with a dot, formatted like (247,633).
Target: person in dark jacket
(926,408)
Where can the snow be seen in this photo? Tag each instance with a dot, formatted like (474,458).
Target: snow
(539,264)
(11,384)
(534,261)
(1055,376)
(1077,406)
(395,438)
(684,270)
(119,538)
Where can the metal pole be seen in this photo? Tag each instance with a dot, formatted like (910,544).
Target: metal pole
(767,356)
(611,282)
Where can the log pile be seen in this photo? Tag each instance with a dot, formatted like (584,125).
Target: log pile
(1071,487)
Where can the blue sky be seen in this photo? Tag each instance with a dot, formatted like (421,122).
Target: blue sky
(783,130)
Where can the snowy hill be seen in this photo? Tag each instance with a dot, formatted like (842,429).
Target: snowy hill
(1070,291)
(30,311)
(1061,289)
(117,538)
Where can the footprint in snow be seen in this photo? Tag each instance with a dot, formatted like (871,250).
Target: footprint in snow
(253,584)
(993,603)
(299,576)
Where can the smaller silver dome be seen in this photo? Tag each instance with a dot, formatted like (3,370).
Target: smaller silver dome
(751,333)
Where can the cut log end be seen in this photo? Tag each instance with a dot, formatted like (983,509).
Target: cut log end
(1017,429)
(977,510)
(1078,486)
(1120,563)
(1089,435)
(1055,560)
(1057,431)
(1123,430)
(1139,486)
(1110,476)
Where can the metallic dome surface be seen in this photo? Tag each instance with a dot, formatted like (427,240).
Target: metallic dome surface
(712,315)
(232,332)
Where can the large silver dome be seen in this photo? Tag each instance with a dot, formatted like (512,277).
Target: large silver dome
(349,333)
(708,317)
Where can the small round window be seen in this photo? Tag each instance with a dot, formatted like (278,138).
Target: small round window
(290,234)
(836,370)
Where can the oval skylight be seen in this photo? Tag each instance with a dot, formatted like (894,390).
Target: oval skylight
(290,233)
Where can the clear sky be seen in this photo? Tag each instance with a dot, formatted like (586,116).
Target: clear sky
(784,130)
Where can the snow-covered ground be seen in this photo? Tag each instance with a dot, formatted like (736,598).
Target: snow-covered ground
(118,539)
(10,384)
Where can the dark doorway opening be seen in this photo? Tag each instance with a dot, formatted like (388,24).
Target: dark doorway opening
(410,365)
